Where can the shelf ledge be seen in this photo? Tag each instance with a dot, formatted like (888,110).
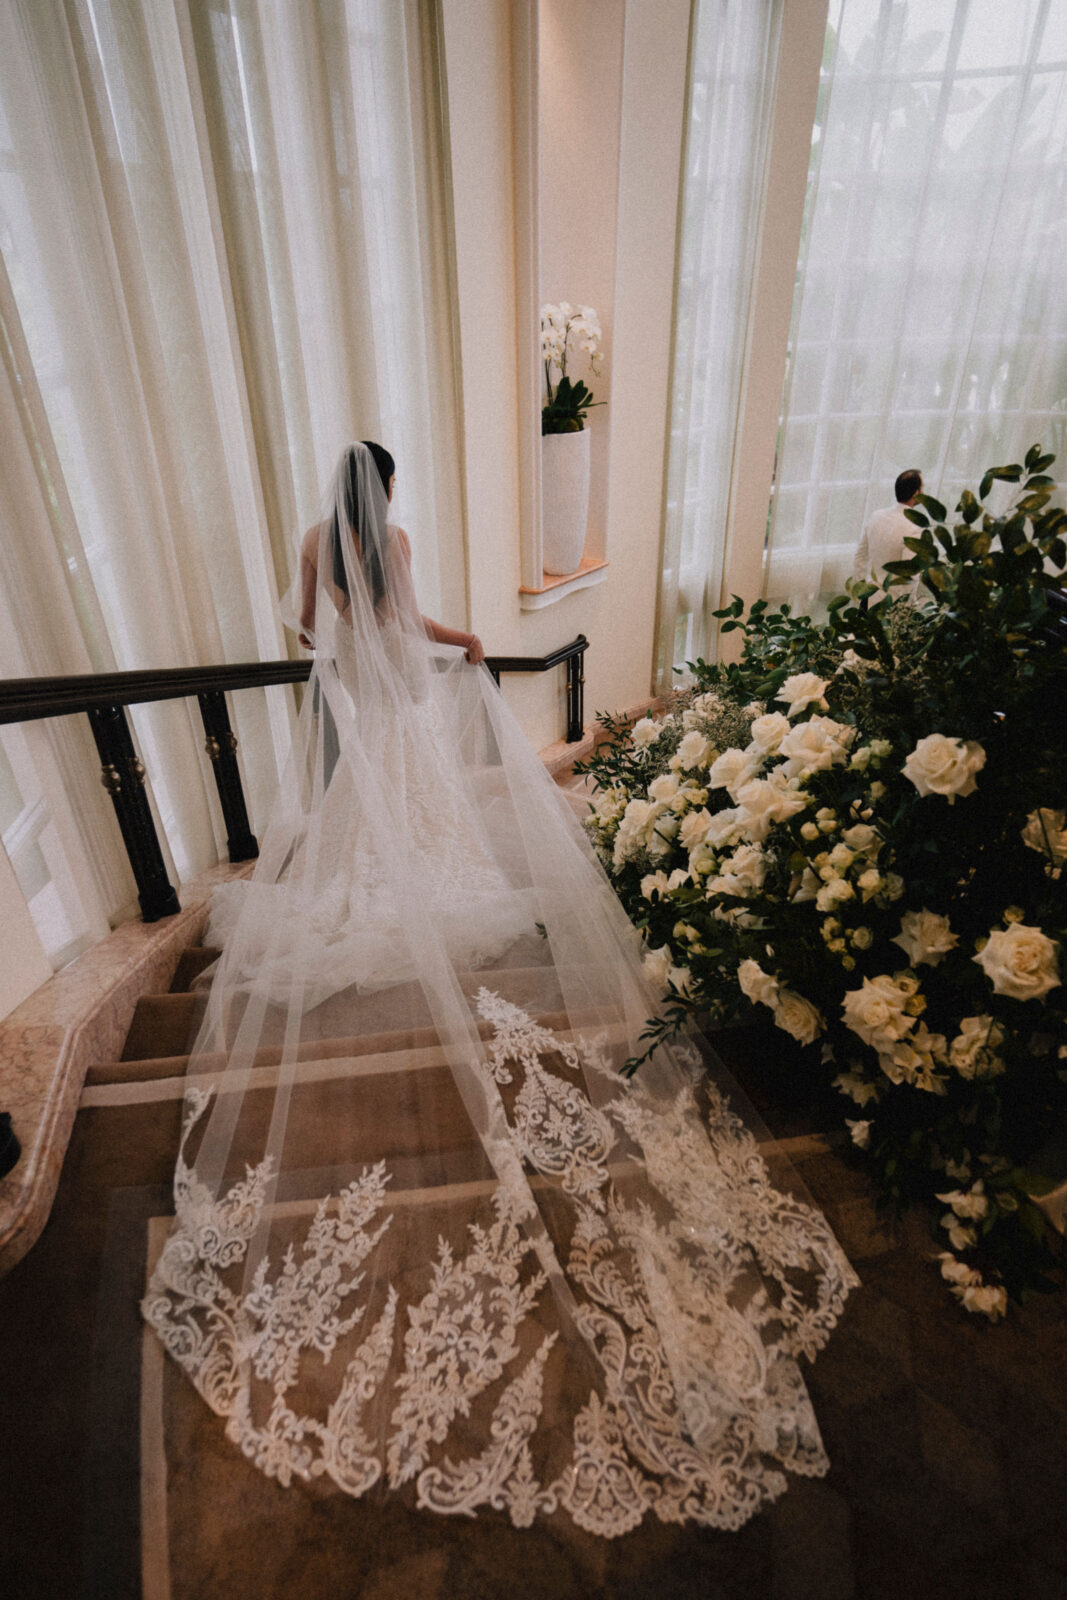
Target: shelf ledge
(553,588)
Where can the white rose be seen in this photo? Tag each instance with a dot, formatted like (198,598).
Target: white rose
(665,787)
(657,965)
(958,1272)
(986,1299)
(730,770)
(769,730)
(745,870)
(972,1205)
(876,1010)
(694,829)
(797,1016)
(816,744)
(800,690)
(859,1089)
(694,750)
(702,861)
(925,937)
(644,733)
(940,765)
(973,1050)
(1020,962)
(1047,831)
(725,828)
(862,838)
(654,883)
(860,1131)
(804,887)
(834,893)
(758,985)
(636,831)
(961,1235)
(707,704)
(661,839)
(762,804)
(869,883)
(679,979)
(638,815)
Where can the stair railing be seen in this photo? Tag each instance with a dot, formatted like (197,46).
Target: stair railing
(103,696)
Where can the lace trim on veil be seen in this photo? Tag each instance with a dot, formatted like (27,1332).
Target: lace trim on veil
(692,1302)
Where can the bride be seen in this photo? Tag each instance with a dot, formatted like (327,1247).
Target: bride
(427,1238)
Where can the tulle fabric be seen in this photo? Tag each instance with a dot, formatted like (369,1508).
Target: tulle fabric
(427,1240)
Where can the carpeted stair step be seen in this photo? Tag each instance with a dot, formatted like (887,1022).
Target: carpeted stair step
(154,1067)
(191,964)
(163,1025)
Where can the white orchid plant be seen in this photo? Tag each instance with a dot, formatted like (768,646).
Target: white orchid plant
(858,834)
(567,333)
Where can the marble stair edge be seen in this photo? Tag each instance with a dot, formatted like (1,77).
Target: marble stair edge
(80,1016)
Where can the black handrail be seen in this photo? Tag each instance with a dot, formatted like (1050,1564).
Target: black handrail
(102,696)
(26,699)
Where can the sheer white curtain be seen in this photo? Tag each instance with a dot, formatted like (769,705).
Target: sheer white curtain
(221,223)
(930,322)
(733,60)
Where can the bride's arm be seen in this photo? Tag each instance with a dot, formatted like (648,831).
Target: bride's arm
(469,642)
(309,551)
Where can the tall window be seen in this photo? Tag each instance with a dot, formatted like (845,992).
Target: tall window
(930,323)
(733,60)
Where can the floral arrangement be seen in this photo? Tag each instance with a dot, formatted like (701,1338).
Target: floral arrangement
(565,331)
(858,832)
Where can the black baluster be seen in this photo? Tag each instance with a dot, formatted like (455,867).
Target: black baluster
(221,746)
(123,777)
(576,694)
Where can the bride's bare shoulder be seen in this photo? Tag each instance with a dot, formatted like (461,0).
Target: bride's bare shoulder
(309,544)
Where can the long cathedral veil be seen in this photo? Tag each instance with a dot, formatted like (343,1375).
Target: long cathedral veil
(426,1236)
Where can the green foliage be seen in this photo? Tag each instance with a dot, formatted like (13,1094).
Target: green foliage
(961,1099)
(566,411)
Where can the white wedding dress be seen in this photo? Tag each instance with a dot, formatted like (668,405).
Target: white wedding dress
(427,1239)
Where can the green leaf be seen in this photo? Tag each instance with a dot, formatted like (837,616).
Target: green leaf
(935,508)
(968,507)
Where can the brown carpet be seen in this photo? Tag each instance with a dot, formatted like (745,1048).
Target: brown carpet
(947,1437)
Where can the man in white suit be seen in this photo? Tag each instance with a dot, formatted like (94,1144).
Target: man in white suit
(883,537)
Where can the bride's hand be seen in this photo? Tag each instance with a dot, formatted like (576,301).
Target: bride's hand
(475,651)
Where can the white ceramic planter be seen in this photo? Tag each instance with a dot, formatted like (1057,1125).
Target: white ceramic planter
(564,500)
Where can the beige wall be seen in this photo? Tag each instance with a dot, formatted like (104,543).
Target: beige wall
(608,224)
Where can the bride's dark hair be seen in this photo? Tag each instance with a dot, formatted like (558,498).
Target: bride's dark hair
(373,570)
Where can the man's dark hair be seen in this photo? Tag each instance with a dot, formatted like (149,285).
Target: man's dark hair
(907,484)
